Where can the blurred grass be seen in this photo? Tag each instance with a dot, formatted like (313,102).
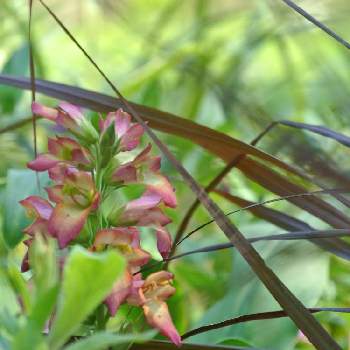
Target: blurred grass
(234,66)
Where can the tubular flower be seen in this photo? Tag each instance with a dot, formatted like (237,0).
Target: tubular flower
(151,296)
(61,150)
(126,240)
(145,169)
(69,117)
(75,198)
(129,134)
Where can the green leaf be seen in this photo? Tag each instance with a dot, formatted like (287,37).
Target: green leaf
(103,340)
(32,332)
(87,279)
(16,64)
(44,263)
(19,185)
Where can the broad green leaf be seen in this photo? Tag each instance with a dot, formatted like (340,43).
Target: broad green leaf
(103,340)
(87,279)
(19,185)
(45,278)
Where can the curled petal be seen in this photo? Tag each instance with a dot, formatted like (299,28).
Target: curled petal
(72,110)
(164,241)
(157,315)
(66,222)
(131,138)
(37,207)
(153,216)
(148,200)
(43,162)
(158,286)
(122,121)
(120,291)
(43,111)
(147,217)
(159,184)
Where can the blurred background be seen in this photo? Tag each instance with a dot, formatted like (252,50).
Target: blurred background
(234,66)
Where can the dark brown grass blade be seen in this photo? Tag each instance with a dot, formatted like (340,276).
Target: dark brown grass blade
(162,345)
(317,23)
(258,316)
(255,205)
(275,183)
(287,222)
(317,129)
(311,235)
(215,142)
(294,308)
(321,130)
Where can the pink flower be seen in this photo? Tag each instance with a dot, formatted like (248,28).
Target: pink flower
(75,198)
(126,240)
(151,296)
(145,169)
(61,150)
(129,134)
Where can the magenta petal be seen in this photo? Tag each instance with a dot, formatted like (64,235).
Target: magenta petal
(159,184)
(43,162)
(120,291)
(40,207)
(43,111)
(72,110)
(153,216)
(164,242)
(122,121)
(66,222)
(131,138)
(148,200)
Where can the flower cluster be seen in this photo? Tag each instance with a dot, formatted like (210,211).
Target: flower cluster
(85,170)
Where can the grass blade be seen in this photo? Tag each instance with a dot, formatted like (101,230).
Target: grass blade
(331,244)
(258,316)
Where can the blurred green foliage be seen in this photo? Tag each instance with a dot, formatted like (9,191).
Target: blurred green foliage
(234,66)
